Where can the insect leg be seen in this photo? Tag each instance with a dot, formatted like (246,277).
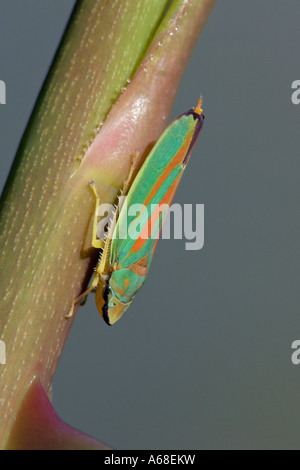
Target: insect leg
(83,302)
(128,181)
(96,242)
(82,296)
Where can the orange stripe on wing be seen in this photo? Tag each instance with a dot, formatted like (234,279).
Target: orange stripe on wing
(147,229)
(177,160)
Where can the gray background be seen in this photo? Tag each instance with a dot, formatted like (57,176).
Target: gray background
(203,357)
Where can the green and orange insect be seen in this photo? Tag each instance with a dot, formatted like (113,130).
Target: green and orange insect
(124,262)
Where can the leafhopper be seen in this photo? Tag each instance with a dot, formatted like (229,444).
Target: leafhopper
(124,262)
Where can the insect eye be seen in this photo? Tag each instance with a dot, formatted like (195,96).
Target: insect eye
(106,292)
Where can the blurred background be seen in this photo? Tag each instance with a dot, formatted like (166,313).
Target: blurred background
(202,359)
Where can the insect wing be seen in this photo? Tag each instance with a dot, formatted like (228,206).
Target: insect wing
(155,185)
